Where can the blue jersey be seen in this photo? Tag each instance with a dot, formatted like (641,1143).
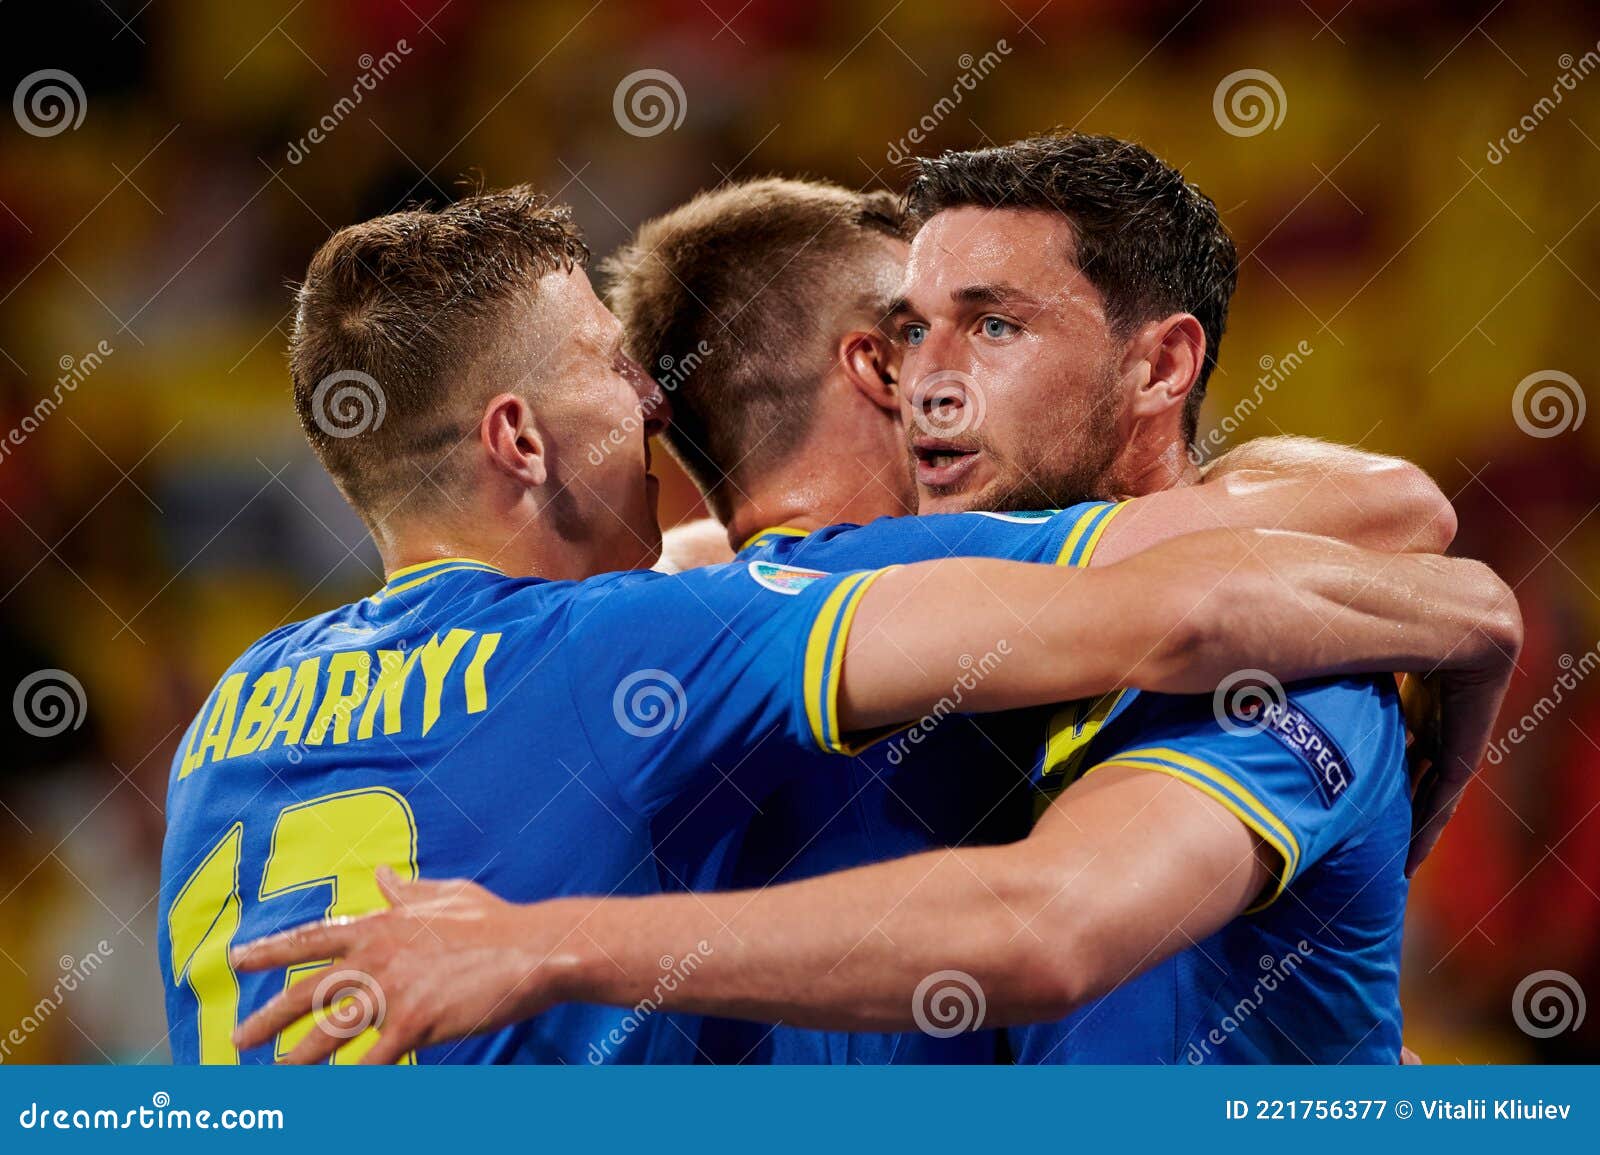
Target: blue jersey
(459,723)
(1312,973)
(936,784)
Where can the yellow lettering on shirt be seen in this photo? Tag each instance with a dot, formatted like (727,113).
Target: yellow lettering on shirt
(344,696)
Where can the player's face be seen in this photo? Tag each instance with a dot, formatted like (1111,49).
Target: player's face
(598,413)
(1008,385)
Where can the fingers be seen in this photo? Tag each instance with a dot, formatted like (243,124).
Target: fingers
(390,886)
(1431,811)
(316,1046)
(1409,1058)
(407,895)
(284,1008)
(391,1047)
(308,943)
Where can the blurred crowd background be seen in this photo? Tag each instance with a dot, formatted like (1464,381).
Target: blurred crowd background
(1415,192)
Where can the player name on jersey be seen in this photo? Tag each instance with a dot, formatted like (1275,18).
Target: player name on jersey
(340,696)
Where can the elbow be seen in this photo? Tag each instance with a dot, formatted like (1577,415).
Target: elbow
(1049,983)
(1420,517)
(1046,971)
(1018,956)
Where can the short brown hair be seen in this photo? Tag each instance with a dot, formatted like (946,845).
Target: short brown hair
(732,299)
(1150,241)
(389,319)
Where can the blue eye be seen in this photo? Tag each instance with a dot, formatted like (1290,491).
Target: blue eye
(915,334)
(996,329)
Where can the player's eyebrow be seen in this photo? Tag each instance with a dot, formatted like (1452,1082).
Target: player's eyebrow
(994,293)
(899,307)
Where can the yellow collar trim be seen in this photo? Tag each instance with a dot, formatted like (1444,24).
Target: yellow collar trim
(401,581)
(783,530)
(422,565)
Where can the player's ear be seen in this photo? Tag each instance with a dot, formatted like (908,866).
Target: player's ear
(511,441)
(871,363)
(1164,361)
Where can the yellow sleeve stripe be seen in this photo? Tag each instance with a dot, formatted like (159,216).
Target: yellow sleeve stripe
(1079,547)
(1199,766)
(824,658)
(1224,789)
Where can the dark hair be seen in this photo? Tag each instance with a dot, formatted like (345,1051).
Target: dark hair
(390,319)
(736,295)
(1152,243)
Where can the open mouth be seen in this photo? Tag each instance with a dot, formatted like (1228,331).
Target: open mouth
(942,463)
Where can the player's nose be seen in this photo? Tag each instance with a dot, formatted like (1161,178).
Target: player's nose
(939,394)
(654,402)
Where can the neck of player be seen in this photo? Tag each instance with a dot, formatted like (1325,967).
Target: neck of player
(1152,460)
(844,473)
(531,548)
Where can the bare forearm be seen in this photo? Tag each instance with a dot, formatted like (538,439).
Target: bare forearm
(842,952)
(1124,869)
(1298,484)
(1177,619)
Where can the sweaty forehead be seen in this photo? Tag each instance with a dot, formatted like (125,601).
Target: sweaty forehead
(971,245)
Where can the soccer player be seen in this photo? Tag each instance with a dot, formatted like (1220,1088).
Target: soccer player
(769,301)
(489,713)
(1167,867)
(674,287)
